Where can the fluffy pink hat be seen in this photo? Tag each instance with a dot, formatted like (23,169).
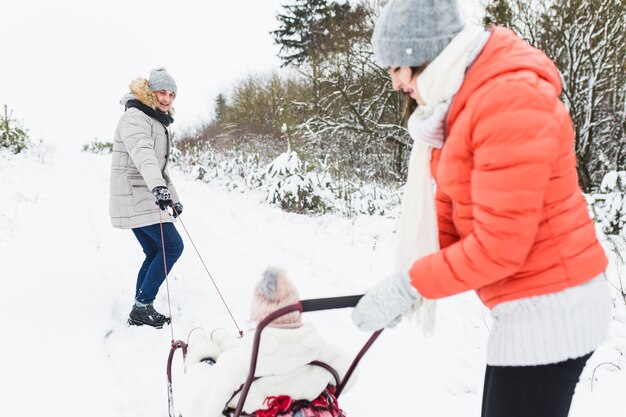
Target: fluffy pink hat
(275,291)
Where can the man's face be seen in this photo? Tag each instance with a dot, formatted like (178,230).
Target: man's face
(165,99)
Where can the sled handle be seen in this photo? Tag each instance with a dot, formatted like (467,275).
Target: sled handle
(179,344)
(302,306)
(356,361)
(318,304)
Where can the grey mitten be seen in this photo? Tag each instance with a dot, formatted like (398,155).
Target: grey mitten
(383,305)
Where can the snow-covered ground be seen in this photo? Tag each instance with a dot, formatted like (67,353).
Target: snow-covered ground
(68,284)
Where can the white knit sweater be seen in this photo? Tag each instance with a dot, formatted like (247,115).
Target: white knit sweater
(550,328)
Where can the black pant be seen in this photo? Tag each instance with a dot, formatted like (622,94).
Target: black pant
(531,391)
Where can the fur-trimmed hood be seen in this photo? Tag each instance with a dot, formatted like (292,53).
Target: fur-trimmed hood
(139,90)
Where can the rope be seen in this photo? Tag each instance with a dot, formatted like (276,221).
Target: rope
(208,273)
(167,285)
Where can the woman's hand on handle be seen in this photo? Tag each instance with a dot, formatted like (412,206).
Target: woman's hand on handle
(383,305)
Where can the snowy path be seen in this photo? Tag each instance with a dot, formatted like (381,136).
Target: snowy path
(68,286)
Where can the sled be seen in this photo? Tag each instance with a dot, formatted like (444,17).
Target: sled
(303,306)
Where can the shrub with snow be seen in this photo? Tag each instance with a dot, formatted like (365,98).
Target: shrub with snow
(295,188)
(12,136)
(608,207)
(99,147)
(288,182)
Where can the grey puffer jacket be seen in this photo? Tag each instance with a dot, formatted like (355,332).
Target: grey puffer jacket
(141,149)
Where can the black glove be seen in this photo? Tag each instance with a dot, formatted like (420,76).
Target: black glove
(178,208)
(163,197)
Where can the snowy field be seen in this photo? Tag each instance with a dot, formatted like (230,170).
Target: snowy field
(68,284)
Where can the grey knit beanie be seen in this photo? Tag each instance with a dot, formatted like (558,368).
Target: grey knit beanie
(161,80)
(412,32)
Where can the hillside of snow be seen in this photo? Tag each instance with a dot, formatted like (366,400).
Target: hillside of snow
(68,285)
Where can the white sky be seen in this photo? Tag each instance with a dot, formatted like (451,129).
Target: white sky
(65,64)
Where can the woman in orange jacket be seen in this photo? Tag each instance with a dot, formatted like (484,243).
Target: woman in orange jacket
(507,219)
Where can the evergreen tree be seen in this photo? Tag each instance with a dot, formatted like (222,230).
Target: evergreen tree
(301,33)
(219,109)
(12,136)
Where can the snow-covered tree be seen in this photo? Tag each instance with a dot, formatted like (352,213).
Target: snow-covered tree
(354,114)
(586,39)
(608,206)
(12,135)
(294,187)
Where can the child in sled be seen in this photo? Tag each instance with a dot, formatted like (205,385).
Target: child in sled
(217,366)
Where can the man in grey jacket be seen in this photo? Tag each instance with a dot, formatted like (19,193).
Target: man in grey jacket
(142,192)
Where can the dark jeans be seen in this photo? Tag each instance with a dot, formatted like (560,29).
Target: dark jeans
(531,391)
(152,272)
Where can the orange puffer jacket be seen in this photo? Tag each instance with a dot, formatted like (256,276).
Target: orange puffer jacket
(513,222)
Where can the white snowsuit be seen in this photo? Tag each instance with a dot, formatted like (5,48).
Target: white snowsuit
(283,364)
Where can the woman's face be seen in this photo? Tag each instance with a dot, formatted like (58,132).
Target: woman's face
(405,79)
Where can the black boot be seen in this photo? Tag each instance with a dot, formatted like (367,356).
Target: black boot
(147,315)
(155,313)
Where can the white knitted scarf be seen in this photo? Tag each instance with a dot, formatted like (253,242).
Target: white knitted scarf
(437,85)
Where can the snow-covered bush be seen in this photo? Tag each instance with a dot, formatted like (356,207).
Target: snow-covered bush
(608,207)
(12,136)
(358,197)
(231,170)
(175,155)
(99,147)
(288,182)
(293,187)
